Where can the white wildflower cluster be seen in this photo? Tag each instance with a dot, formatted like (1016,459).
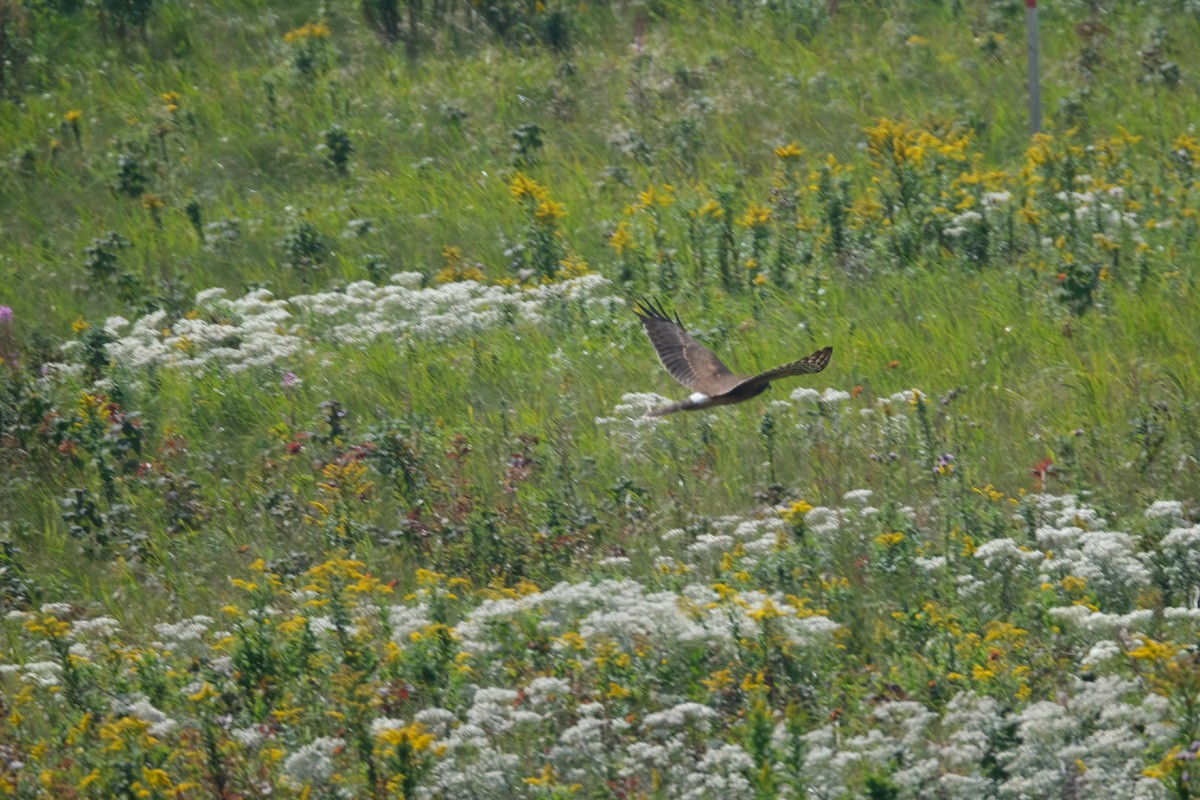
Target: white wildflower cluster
(96,626)
(679,747)
(1166,510)
(259,330)
(545,692)
(438,720)
(1007,557)
(962,222)
(1181,563)
(709,547)
(971,219)
(993,199)
(858,496)
(1102,208)
(830,396)
(251,331)
(674,748)
(585,749)
(313,764)
(1062,511)
(1099,734)
(407,620)
(900,400)
(191,629)
(723,771)
(829,529)
(759,537)
(250,737)
(475,769)
(37,673)
(1102,623)
(756,536)
(621,609)
(1109,561)
(476,762)
(495,710)
(628,426)
(646,723)
(1069,545)
(892,412)
(143,709)
(1088,744)
(404,620)
(365,312)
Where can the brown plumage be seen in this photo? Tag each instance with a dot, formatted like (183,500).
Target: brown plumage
(699,369)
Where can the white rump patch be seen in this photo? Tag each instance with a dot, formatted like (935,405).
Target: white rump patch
(698,397)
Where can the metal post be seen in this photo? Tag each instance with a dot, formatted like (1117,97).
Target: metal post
(1035,78)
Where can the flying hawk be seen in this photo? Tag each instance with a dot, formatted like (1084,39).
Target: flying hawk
(698,368)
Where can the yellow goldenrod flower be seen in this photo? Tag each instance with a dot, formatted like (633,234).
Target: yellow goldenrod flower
(522,186)
(572,267)
(889,540)
(617,692)
(755,215)
(1151,650)
(549,212)
(309,30)
(768,610)
(621,238)
(754,681)
(526,587)
(573,640)
(661,197)
(721,679)
(543,778)
(156,778)
(1074,584)
(427,577)
(789,152)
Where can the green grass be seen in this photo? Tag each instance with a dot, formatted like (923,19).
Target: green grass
(385,530)
(1025,372)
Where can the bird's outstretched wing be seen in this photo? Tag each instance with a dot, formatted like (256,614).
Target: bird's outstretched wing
(805,366)
(688,361)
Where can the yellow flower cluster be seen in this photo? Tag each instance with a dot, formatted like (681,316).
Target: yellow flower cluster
(789,152)
(306,32)
(522,187)
(895,143)
(756,215)
(661,196)
(621,239)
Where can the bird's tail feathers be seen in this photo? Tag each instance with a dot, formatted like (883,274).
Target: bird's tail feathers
(661,411)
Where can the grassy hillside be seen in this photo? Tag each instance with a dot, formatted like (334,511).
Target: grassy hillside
(324,468)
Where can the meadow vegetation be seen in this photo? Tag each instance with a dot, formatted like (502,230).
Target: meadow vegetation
(323,469)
